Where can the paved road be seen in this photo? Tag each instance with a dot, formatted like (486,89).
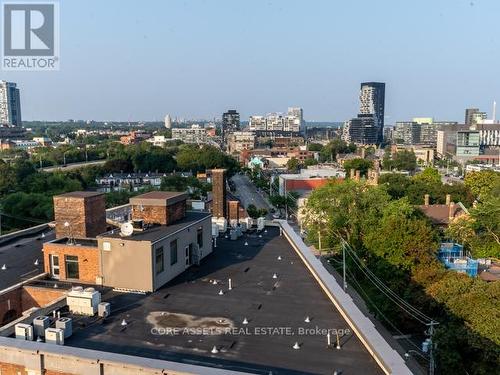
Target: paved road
(248,194)
(73,166)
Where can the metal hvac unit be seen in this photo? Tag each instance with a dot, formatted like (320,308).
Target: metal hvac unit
(83,302)
(54,336)
(104,309)
(66,324)
(40,323)
(24,331)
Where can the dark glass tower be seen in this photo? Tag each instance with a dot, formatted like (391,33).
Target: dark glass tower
(372,102)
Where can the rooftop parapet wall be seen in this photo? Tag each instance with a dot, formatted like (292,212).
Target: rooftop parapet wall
(44,358)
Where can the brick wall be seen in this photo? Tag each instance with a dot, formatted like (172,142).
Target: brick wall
(32,296)
(10,369)
(176,211)
(10,306)
(150,214)
(88,260)
(14,302)
(159,214)
(86,216)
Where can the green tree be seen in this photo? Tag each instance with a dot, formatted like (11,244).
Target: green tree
(359,164)
(396,183)
(402,238)
(315,147)
(429,176)
(310,161)
(402,160)
(482,183)
(293,165)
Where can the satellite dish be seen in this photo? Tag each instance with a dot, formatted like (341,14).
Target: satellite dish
(126,229)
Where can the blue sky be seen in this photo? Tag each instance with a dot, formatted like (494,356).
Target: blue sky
(138,60)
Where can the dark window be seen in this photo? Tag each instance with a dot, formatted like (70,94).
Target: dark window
(173,252)
(200,237)
(159,264)
(72,271)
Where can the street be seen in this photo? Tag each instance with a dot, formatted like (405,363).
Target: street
(73,165)
(247,193)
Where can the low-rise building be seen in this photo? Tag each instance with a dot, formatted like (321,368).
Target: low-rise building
(162,241)
(134,137)
(239,141)
(193,134)
(308,179)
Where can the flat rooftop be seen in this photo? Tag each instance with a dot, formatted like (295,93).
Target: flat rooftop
(159,198)
(19,256)
(80,194)
(157,232)
(274,307)
(87,242)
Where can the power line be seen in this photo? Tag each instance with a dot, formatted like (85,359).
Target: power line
(381,313)
(37,221)
(405,306)
(384,288)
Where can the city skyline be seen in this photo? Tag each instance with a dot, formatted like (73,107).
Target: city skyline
(181,60)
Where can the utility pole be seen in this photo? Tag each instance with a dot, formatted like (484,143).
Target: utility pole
(430,333)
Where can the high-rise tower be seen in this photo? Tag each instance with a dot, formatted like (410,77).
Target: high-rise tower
(372,102)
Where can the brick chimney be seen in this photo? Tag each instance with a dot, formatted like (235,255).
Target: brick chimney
(451,211)
(234,210)
(448,199)
(219,208)
(426,199)
(358,175)
(80,214)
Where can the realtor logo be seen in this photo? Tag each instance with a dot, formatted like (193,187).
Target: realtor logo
(30,36)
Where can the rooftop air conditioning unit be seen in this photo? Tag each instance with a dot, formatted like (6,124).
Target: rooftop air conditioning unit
(66,324)
(40,323)
(54,336)
(83,302)
(138,224)
(24,331)
(104,309)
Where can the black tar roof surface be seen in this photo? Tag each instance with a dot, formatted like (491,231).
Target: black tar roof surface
(19,256)
(264,301)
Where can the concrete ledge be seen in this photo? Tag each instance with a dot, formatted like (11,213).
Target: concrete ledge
(41,357)
(23,233)
(387,358)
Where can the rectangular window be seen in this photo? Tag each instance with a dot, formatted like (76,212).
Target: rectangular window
(173,252)
(199,236)
(72,269)
(159,264)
